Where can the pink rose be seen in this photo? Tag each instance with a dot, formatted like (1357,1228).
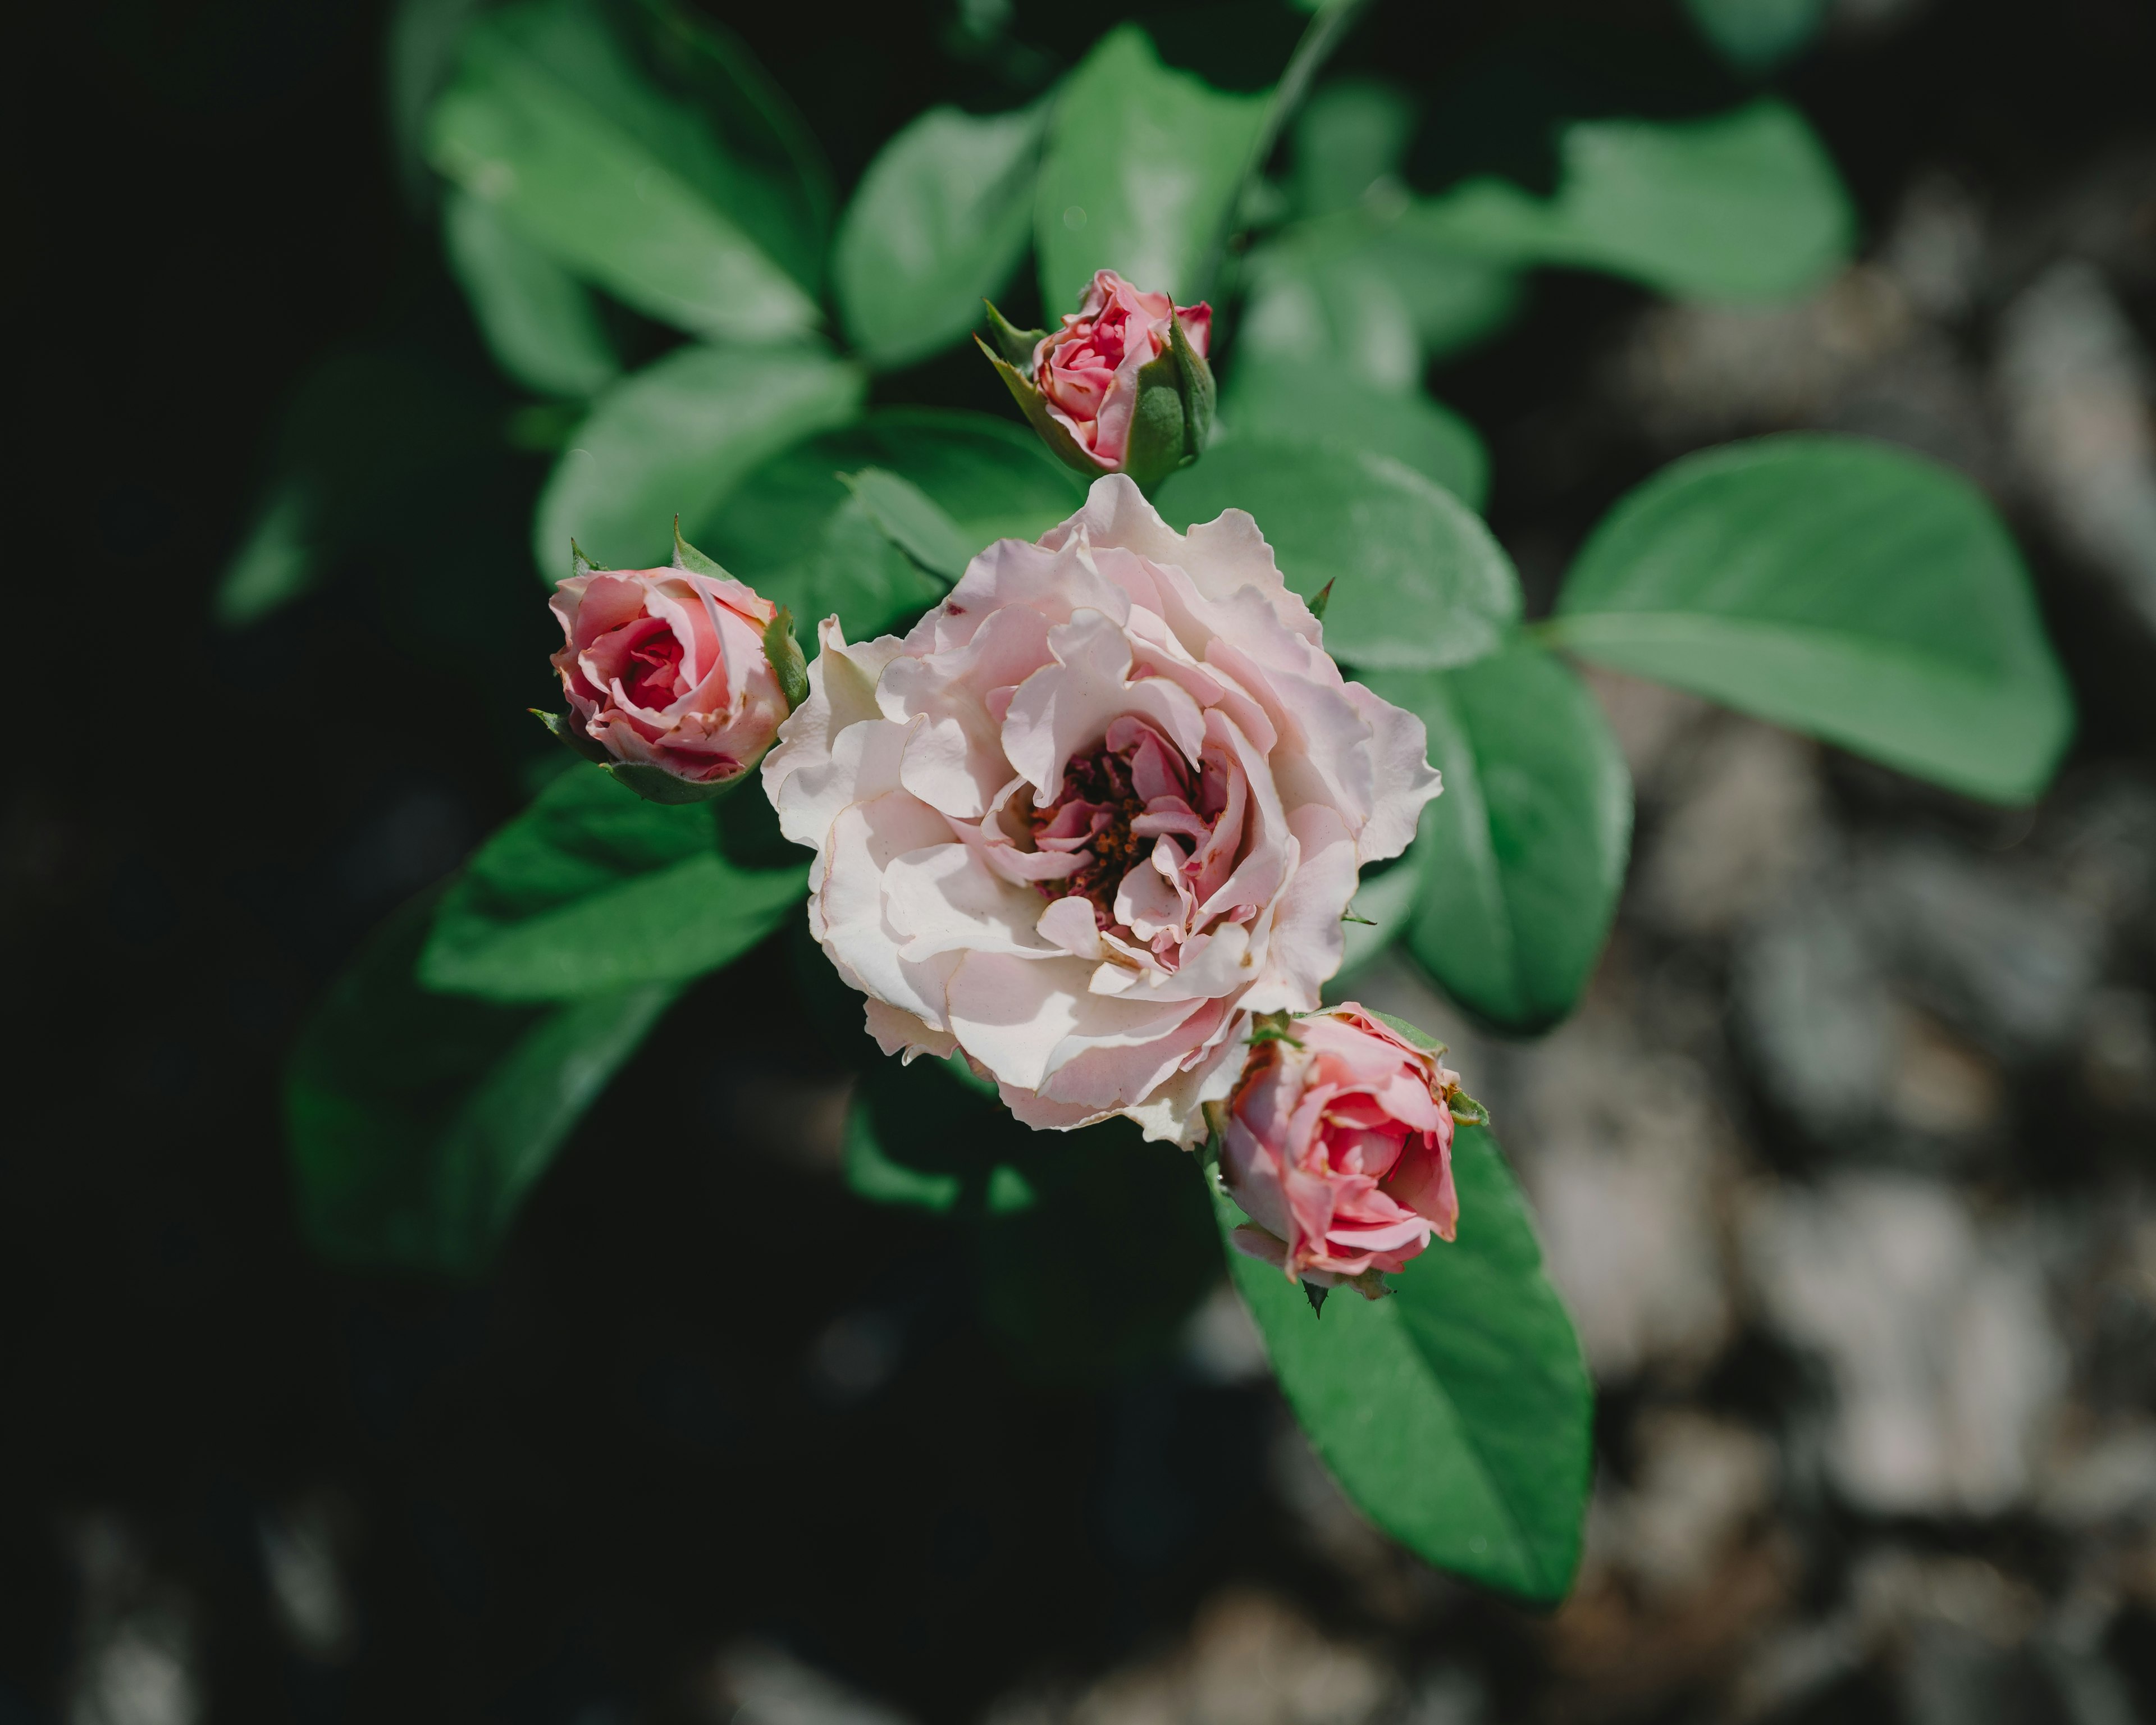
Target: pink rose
(1338,1146)
(1087,371)
(1101,804)
(665,668)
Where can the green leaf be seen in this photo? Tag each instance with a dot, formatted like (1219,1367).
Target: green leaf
(1387,899)
(1420,584)
(1091,1247)
(1756,35)
(1006,341)
(1056,437)
(592,889)
(1290,401)
(551,119)
(1351,134)
(1367,294)
(540,323)
(372,442)
(795,533)
(275,562)
(912,520)
(1458,1412)
(939,222)
(419,56)
(1840,587)
(675,438)
(1142,171)
(418,1122)
(1739,206)
(1523,853)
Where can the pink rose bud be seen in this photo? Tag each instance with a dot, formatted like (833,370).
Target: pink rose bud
(675,680)
(1123,387)
(1338,1144)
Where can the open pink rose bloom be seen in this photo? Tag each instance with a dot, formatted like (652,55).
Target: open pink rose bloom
(666,667)
(1096,808)
(1088,370)
(1340,1149)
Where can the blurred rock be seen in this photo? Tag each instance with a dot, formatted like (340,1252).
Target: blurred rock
(1221,1344)
(1249,1659)
(1623,1156)
(1649,720)
(307,1589)
(1695,373)
(1946,1365)
(135,1656)
(2105,1477)
(1744,819)
(1814,1008)
(1699,1486)
(2073,384)
(2008,960)
(755,1683)
(1935,249)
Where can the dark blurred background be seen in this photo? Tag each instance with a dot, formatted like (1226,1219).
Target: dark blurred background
(1845,1166)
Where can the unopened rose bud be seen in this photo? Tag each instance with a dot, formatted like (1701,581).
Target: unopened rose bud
(670,674)
(1337,1144)
(1123,387)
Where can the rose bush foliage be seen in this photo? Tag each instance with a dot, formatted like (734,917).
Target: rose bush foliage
(1096,808)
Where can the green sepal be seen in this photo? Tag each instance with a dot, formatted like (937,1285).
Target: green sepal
(1420,1038)
(1015,344)
(1199,393)
(581,564)
(687,557)
(1273,1027)
(654,784)
(565,727)
(1465,1109)
(787,663)
(1324,598)
(1175,413)
(1159,439)
(1061,444)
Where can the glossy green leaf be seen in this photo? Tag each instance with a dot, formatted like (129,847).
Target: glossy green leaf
(418,1122)
(939,222)
(912,520)
(539,321)
(675,438)
(1522,855)
(1287,401)
(795,533)
(593,889)
(551,119)
(1418,581)
(1740,206)
(1837,586)
(1142,170)
(1458,1412)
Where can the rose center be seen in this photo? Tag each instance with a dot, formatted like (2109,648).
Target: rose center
(1114,807)
(654,670)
